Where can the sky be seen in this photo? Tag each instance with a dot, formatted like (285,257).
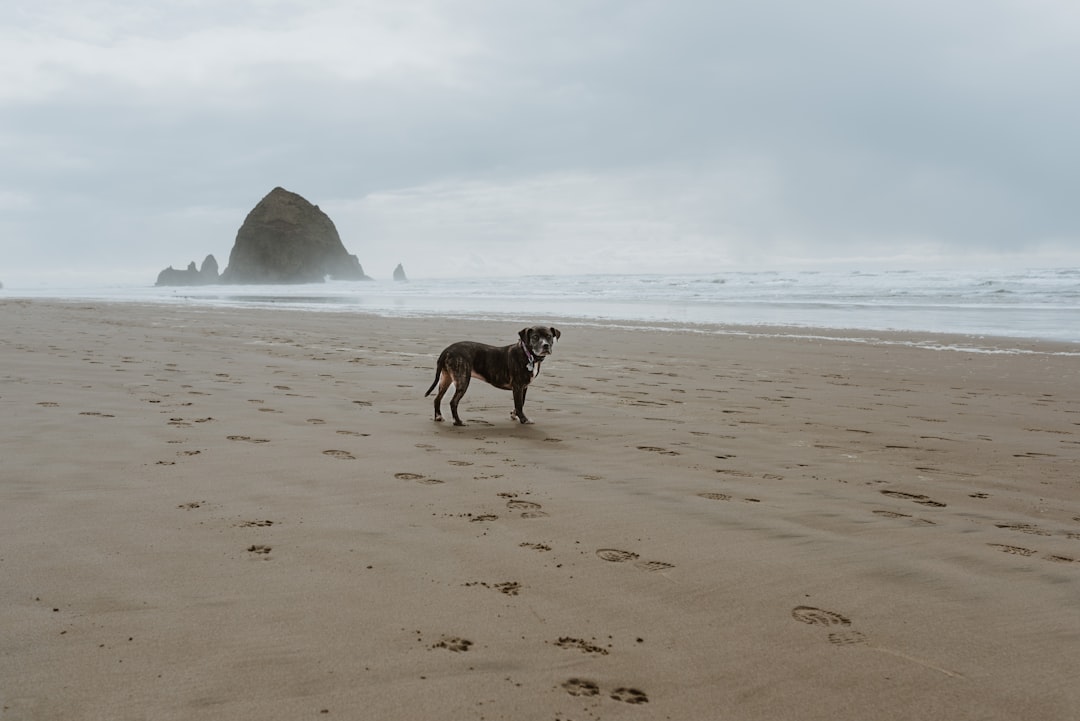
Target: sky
(498,137)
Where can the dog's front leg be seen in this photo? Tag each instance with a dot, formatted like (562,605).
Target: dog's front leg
(519,404)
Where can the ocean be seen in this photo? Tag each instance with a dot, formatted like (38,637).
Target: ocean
(1036,304)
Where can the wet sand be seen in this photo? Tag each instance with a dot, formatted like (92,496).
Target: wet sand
(250,514)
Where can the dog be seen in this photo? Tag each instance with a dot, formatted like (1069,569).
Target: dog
(510,368)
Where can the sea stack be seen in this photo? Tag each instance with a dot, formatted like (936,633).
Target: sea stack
(399,273)
(191,276)
(286,239)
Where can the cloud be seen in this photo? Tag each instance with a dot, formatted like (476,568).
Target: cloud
(593,134)
(170,51)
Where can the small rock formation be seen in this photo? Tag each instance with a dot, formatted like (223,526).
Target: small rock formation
(191,276)
(209,270)
(286,239)
(399,273)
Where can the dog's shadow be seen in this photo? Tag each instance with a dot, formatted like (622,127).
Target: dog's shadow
(477,429)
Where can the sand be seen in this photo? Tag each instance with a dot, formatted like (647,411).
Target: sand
(250,514)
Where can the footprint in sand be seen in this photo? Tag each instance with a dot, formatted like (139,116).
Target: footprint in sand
(48,404)
(316,421)
(510,588)
(418,478)
(453,643)
(818,617)
(535,546)
(1024,528)
(581,645)
(830,619)
(715,496)
(657,449)
(916,497)
(629,695)
(340,455)
(528,508)
(255,524)
(913,519)
(1015,550)
(248,439)
(615,555)
(847,638)
(1026,552)
(581,687)
(259,550)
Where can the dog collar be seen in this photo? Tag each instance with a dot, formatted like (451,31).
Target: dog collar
(530,359)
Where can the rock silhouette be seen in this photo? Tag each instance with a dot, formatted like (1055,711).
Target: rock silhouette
(286,239)
(191,276)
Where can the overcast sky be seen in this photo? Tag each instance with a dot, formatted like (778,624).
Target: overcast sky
(480,137)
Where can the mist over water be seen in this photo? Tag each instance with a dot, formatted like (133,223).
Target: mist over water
(1033,304)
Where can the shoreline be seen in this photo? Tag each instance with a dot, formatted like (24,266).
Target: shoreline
(221,513)
(1028,304)
(929,340)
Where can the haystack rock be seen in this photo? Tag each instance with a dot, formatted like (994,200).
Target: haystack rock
(191,276)
(399,273)
(286,239)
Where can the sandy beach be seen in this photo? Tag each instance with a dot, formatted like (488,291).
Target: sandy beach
(250,514)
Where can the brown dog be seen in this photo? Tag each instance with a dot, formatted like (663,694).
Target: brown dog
(510,367)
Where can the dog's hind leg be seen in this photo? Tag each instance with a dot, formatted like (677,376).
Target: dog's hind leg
(444,381)
(460,386)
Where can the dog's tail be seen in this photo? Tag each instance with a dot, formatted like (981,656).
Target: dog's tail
(438,372)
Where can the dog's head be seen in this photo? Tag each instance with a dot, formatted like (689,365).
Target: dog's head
(540,340)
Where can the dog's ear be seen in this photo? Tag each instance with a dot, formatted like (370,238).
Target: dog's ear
(555,332)
(523,334)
